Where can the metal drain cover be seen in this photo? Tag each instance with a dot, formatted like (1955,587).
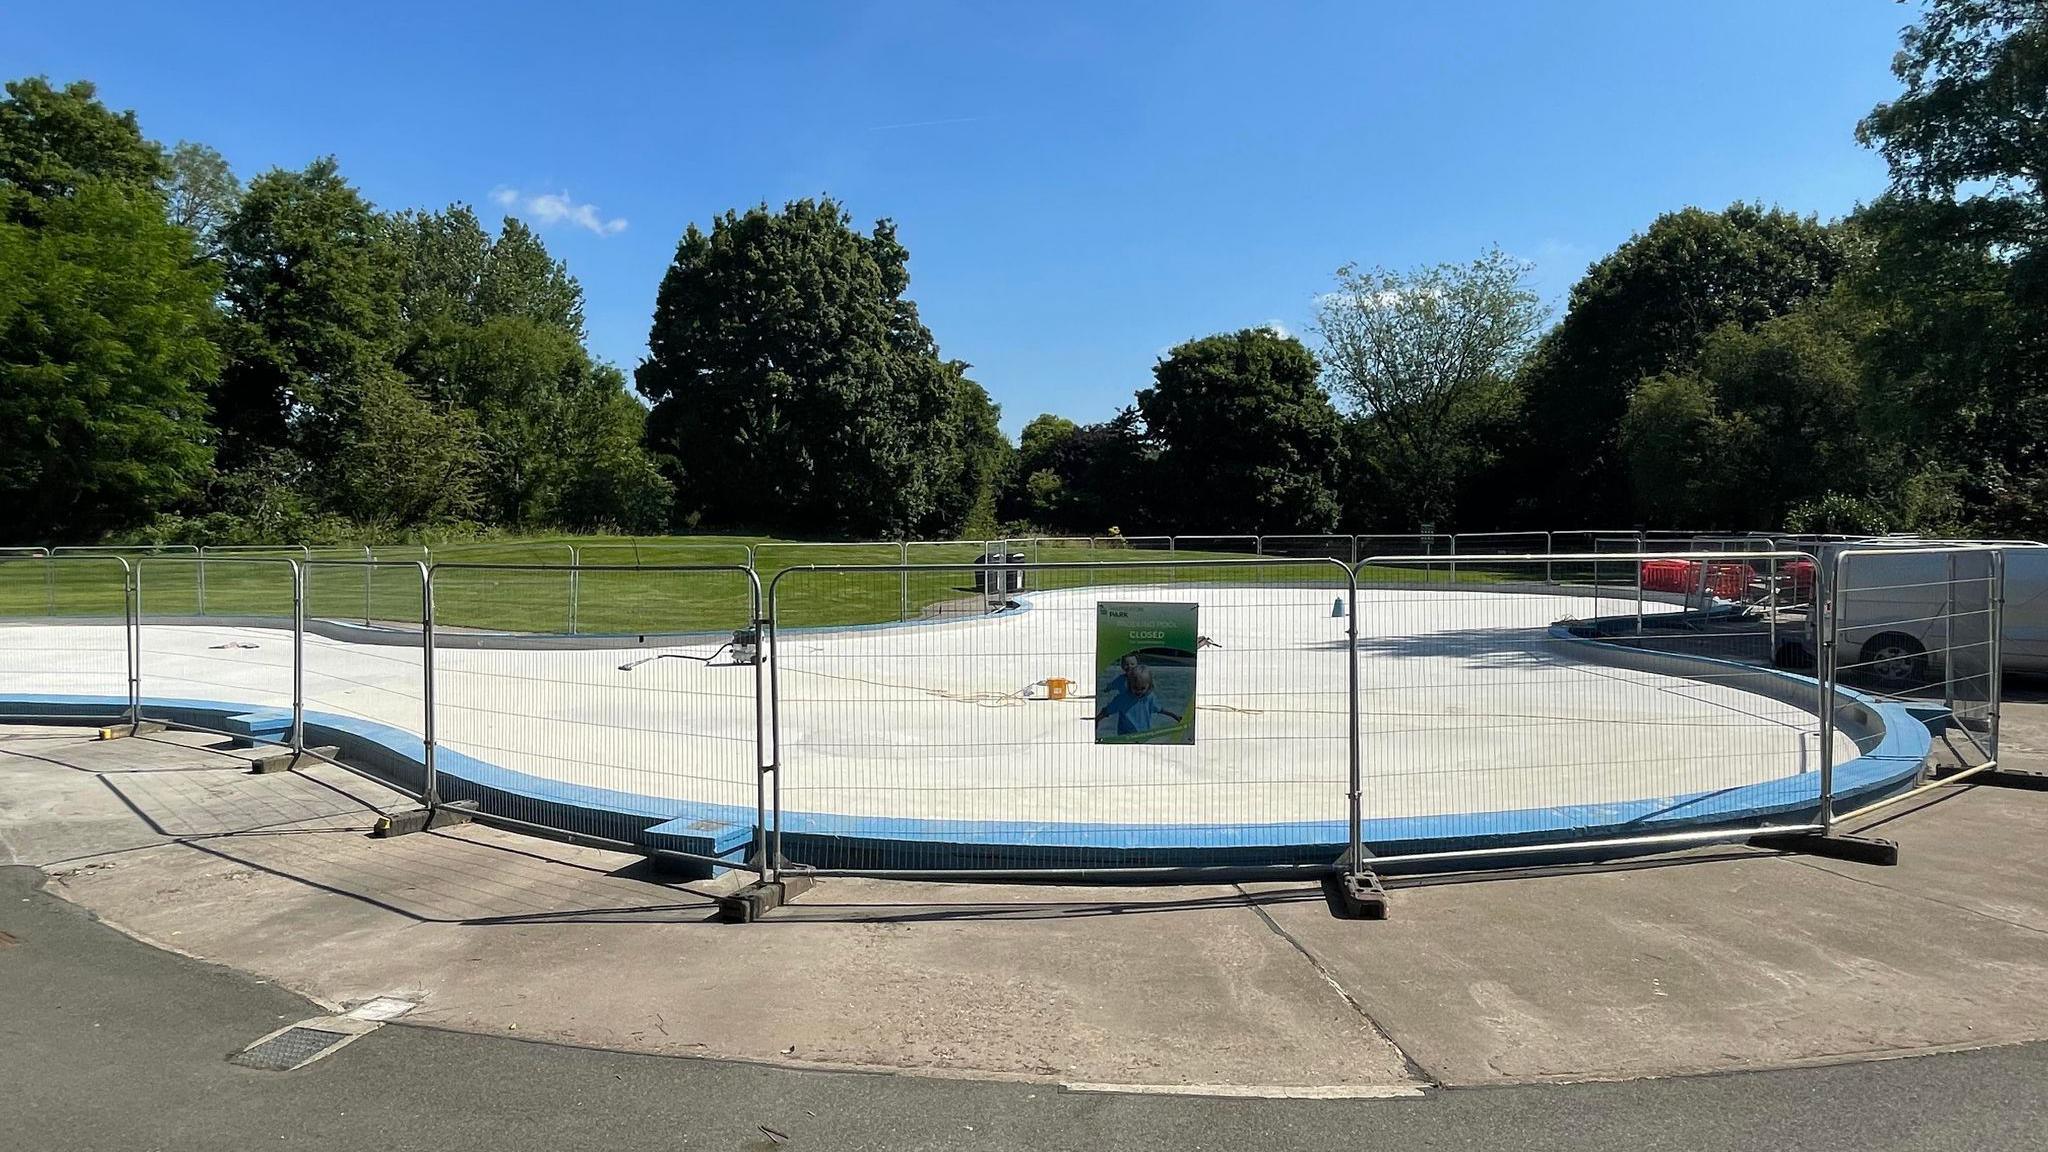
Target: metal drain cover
(292,1048)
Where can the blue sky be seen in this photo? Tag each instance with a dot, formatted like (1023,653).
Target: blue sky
(1081,186)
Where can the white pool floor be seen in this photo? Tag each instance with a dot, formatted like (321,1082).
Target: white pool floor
(1466,705)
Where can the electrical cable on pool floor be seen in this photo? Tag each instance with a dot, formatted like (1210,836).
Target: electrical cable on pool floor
(629,665)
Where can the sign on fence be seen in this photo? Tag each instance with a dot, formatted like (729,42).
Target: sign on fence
(1144,673)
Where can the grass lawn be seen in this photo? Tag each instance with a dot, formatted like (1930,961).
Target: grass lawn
(624,584)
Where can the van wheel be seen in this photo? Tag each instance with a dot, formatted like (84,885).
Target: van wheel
(1895,659)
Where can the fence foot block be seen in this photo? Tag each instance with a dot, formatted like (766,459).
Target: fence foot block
(1356,897)
(142,728)
(423,819)
(1859,849)
(756,900)
(286,761)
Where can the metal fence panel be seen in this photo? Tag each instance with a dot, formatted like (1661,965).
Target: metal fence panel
(66,631)
(1914,623)
(1203,546)
(366,667)
(242,657)
(1325,546)
(971,744)
(647,736)
(1510,705)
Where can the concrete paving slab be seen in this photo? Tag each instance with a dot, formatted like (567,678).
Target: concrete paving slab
(1728,963)
(496,932)
(1722,959)
(1032,982)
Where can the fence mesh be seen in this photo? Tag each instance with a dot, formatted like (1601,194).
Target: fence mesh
(605,736)
(943,746)
(64,632)
(1516,704)
(240,655)
(959,713)
(1916,624)
(366,666)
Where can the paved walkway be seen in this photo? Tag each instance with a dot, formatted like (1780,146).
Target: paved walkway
(1721,960)
(106,1043)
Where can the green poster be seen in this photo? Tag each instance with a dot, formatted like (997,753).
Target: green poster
(1144,673)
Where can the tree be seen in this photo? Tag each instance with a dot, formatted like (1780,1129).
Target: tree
(1960,279)
(519,278)
(793,385)
(1975,112)
(1093,477)
(976,465)
(1769,418)
(1247,440)
(201,193)
(105,354)
(1035,488)
(52,140)
(312,305)
(1646,310)
(1427,360)
(407,460)
(609,481)
(493,326)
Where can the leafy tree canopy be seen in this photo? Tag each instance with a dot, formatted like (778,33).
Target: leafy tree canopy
(105,354)
(52,140)
(1647,309)
(794,386)
(1247,439)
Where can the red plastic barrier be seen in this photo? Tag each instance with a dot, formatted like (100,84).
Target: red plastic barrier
(1669,575)
(1725,579)
(1799,573)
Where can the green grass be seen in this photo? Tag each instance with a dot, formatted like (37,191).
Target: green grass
(623,585)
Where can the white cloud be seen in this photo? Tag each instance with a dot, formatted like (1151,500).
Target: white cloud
(1278,329)
(559,208)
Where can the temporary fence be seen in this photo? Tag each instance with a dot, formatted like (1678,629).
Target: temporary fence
(67,633)
(1340,717)
(1312,547)
(600,740)
(925,749)
(248,651)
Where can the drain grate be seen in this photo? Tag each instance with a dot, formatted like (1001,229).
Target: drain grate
(289,1049)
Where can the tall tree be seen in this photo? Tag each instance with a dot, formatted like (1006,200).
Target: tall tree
(105,354)
(1768,419)
(1973,120)
(1428,360)
(519,278)
(493,326)
(312,301)
(54,139)
(977,458)
(1645,310)
(794,386)
(202,192)
(1036,486)
(608,480)
(1960,362)
(105,324)
(1247,439)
